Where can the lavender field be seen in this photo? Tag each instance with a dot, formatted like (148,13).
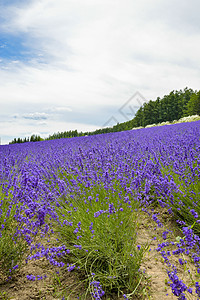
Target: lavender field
(78,202)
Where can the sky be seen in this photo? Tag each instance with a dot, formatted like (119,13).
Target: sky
(87,64)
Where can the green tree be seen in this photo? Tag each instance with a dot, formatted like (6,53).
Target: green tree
(186,95)
(139,117)
(193,106)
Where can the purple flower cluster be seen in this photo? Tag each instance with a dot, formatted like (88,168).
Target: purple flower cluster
(178,287)
(33,278)
(97,292)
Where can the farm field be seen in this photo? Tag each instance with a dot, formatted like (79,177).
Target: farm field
(113,216)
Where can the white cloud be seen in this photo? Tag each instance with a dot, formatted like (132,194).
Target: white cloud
(91,53)
(60,109)
(36,116)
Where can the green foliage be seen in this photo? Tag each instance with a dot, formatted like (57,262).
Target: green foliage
(65,134)
(193,106)
(12,247)
(3,296)
(33,138)
(103,248)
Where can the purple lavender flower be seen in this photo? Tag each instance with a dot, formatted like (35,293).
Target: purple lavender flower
(194,213)
(97,292)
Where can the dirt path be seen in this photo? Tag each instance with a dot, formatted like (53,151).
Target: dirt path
(153,263)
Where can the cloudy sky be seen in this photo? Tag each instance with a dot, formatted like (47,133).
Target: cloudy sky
(79,64)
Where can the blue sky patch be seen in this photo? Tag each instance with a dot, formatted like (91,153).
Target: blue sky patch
(14,2)
(14,48)
(18,48)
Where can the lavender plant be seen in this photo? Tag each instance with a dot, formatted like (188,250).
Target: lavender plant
(12,247)
(100,234)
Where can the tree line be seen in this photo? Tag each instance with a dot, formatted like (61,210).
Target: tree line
(171,107)
(33,138)
(176,105)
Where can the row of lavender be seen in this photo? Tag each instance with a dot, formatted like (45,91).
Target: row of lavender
(89,191)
